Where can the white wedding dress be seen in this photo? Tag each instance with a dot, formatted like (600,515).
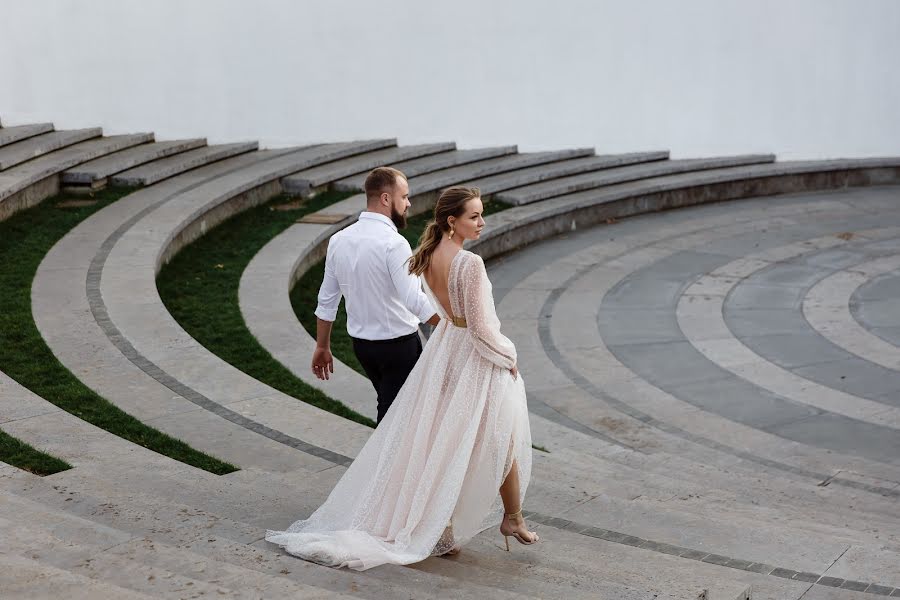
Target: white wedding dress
(429,476)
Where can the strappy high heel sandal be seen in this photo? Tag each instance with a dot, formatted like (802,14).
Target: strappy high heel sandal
(514,533)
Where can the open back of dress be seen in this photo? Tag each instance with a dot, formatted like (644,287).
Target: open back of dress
(441,452)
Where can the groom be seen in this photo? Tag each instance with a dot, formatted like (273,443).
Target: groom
(367,263)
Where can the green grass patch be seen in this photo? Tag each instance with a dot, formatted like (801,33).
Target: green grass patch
(25,239)
(200,289)
(19,454)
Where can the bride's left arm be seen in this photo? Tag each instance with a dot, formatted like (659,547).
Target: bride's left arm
(481,315)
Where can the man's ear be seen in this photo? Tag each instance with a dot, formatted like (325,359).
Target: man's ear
(385,198)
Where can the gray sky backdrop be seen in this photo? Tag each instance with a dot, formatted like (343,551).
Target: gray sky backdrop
(802,78)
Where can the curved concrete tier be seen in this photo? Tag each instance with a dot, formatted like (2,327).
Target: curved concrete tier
(95,173)
(490,185)
(11,135)
(315,179)
(39,145)
(523,225)
(170,166)
(612,176)
(31,182)
(427,164)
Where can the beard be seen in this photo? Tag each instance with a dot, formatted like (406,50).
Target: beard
(398,218)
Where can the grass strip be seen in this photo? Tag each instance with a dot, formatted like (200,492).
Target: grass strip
(19,454)
(25,238)
(200,289)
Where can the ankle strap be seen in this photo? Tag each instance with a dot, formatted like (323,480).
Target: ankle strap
(518,513)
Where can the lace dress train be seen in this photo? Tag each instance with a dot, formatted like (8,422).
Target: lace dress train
(428,477)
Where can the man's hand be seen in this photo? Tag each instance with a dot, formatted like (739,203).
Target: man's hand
(434,321)
(322,363)
(515,371)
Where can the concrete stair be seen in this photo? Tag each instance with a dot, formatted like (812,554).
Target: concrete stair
(39,145)
(34,180)
(606,177)
(95,173)
(317,179)
(437,180)
(136,522)
(150,173)
(17,133)
(427,164)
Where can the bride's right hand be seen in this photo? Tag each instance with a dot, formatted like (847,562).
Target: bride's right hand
(515,371)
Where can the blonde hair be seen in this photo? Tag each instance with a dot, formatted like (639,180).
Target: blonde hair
(451,203)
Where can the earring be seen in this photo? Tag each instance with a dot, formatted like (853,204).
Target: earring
(452,231)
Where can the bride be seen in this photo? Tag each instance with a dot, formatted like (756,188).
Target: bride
(427,480)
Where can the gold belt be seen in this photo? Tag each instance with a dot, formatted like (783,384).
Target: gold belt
(459,321)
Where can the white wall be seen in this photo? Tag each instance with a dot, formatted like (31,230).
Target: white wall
(802,78)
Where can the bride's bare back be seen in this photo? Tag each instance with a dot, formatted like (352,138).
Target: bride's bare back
(437,275)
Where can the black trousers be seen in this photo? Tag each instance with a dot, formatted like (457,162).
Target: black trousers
(387,364)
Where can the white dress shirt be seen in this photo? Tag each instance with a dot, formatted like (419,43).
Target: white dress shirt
(366,264)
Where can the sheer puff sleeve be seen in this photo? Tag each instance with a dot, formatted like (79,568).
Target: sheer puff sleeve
(481,315)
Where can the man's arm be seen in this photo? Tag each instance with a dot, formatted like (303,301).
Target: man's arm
(322,361)
(326,312)
(408,287)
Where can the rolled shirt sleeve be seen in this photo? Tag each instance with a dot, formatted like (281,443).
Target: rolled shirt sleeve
(408,286)
(329,291)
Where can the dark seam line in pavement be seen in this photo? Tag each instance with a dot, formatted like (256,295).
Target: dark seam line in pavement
(556,357)
(804,292)
(707,557)
(101,316)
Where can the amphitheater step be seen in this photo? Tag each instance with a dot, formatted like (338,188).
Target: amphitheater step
(427,164)
(28,579)
(31,182)
(141,564)
(565,168)
(311,180)
(95,173)
(39,145)
(437,180)
(587,181)
(235,545)
(142,514)
(150,173)
(17,133)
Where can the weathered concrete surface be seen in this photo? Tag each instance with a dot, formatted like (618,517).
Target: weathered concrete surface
(11,135)
(31,182)
(427,164)
(306,182)
(96,171)
(39,145)
(164,168)
(612,176)
(497,183)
